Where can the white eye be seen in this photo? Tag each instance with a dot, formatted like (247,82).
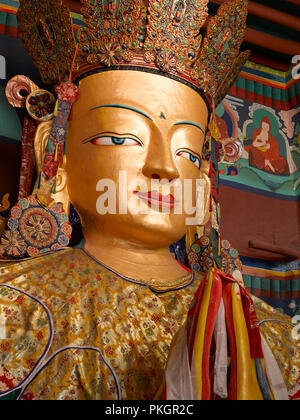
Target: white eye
(191,157)
(114,141)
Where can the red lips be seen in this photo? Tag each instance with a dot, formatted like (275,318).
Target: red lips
(156,198)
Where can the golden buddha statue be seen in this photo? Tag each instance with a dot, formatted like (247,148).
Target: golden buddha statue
(98,321)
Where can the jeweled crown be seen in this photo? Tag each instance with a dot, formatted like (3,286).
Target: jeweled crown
(164,36)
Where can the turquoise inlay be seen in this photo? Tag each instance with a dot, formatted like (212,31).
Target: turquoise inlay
(190,123)
(11,20)
(282,77)
(82,244)
(124,107)
(11,396)
(12,3)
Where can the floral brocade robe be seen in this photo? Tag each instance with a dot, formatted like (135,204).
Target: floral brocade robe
(72,329)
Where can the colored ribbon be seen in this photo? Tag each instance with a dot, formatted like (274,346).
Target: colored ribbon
(68,93)
(28,160)
(247,376)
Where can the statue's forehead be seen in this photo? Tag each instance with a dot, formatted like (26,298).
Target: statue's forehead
(152,95)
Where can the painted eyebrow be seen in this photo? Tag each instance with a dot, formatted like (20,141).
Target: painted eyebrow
(190,123)
(130,108)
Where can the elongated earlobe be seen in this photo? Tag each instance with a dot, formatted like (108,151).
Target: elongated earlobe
(197,231)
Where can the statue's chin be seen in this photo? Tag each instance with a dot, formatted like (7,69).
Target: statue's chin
(150,230)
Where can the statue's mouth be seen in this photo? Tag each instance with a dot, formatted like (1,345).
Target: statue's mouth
(157,199)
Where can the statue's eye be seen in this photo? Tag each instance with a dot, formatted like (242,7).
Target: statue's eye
(191,157)
(114,141)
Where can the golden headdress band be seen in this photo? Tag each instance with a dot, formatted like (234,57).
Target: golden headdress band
(163,37)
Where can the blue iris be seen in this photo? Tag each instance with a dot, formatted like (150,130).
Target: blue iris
(118,141)
(195,159)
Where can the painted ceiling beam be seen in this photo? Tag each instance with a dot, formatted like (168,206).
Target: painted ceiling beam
(296,2)
(272,43)
(271,62)
(74,5)
(273,15)
(276,249)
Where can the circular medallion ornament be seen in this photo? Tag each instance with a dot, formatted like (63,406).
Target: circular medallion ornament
(34,229)
(17,90)
(149,57)
(12,244)
(201,256)
(41,105)
(110,54)
(128,55)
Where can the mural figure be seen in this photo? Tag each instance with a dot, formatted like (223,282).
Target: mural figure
(264,153)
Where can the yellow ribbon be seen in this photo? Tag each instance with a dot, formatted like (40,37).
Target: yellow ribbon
(247,384)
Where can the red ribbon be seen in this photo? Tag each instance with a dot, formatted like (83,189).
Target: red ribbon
(222,287)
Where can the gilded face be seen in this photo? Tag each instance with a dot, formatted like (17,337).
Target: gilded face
(130,126)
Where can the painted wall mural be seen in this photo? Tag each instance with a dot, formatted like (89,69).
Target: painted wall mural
(269,148)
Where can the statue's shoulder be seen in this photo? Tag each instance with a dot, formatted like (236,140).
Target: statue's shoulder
(283,338)
(40,268)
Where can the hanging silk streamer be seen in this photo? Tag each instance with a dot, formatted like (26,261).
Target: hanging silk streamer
(221,303)
(67,93)
(28,160)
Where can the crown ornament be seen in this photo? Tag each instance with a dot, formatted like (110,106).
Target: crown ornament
(164,36)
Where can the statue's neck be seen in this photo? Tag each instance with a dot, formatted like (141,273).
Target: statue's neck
(133,260)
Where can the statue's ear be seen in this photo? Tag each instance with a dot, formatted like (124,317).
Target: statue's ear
(40,143)
(199,229)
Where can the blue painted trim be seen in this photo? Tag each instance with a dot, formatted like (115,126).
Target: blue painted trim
(130,108)
(270,265)
(137,282)
(190,123)
(254,190)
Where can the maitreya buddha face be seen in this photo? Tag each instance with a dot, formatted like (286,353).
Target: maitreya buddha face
(133,138)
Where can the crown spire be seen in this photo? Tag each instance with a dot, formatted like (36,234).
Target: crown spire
(162,36)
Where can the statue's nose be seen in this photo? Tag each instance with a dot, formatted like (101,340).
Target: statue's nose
(160,164)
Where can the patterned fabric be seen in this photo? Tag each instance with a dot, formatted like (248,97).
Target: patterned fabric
(278,284)
(277,329)
(97,336)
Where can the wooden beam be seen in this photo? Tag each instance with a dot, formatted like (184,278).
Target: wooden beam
(276,249)
(272,43)
(74,5)
(268,61)
(272,15)
(296,2)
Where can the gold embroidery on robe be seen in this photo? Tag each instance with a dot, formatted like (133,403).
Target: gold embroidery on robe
(84,332)
(277,329)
